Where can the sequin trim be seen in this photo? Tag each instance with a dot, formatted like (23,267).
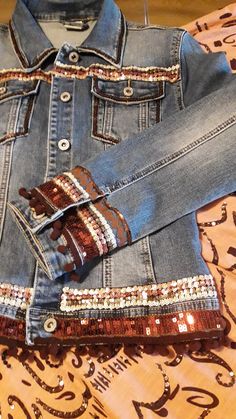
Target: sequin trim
(12,328)
(173,325)
(153,295)
(168,328)
(93,230)
(15,296)
(62,191)
(104,72)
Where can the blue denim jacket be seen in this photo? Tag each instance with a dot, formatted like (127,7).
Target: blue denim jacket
(107,148)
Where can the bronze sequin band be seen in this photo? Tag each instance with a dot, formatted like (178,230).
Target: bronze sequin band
(91,230)
(15,295)
(152,326)
(62,191)
(104,72)
(168,328)
(152,295)
(12,328)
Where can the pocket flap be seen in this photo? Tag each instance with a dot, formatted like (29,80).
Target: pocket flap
(128,91)
(16,105)
(17,88)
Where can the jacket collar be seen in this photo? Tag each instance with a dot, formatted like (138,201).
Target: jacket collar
(32,46)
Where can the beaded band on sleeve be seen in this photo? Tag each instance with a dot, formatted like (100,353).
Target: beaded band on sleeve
(63,191)
(88,231)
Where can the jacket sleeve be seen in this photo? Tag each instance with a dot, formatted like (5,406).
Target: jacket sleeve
(132,190)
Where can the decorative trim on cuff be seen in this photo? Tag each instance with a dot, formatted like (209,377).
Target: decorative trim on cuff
(63,191)
(89,231)
(152,295)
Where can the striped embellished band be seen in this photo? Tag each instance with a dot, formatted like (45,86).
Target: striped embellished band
(89,231)
(15,295)
(62,191)
(152,295)
(104,72)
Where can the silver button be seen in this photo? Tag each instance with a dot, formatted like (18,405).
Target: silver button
(50,325)
(73,57)
(65,97)
(64,144)
(3,90)
(128,91)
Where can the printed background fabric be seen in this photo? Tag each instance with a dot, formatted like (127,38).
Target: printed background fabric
(135,381)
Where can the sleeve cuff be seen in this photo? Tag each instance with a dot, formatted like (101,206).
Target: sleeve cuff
(81,234)
(47,202)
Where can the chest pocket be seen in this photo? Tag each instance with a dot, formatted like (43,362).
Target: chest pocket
(16,107)
(123,108)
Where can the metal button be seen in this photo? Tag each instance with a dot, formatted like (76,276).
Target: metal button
(3,90)
(128,91)
(65,97)
(73,57)
(64,144)
(50,325)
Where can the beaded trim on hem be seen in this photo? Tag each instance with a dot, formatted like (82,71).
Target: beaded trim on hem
(15,295)
(152,295)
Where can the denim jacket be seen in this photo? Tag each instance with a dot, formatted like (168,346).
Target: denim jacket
(107,148)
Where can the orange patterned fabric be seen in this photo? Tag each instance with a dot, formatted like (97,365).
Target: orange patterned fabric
(136,381)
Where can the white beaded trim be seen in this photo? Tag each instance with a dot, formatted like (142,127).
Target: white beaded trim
(153,295)
(91,231)
(108,233)
(77,184)
(15,295)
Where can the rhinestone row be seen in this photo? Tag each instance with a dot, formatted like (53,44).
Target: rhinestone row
(16,296)
(185,289)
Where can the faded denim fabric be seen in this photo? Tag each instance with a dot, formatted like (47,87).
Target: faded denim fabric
(151,117)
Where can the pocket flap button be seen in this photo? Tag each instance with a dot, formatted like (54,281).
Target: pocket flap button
(128,91)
